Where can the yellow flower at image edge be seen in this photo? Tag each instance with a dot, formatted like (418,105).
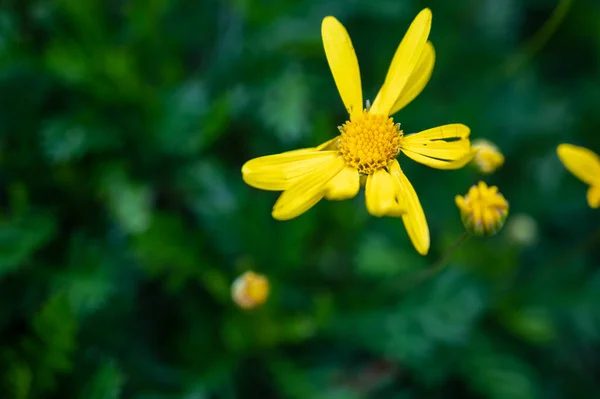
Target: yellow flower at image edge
(488,157)
(585,165)
(369,141)
(250,290)
(483,210)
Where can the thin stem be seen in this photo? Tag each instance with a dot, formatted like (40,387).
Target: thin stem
(441,262)
(438,265)
(539,39)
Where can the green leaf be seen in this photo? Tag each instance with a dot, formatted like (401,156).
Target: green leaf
(19,379)
(532,324)
(55,330)
(107,383)
(285,107)
(441,312)
(191,119)
(377,257)
(21,237)
(498,374)
(130,202)
(87,282)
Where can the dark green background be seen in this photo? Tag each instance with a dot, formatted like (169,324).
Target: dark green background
(124,218)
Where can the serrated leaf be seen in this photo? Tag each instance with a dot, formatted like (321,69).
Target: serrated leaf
(442,312)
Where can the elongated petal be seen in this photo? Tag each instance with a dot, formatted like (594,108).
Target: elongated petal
(279,172)
(580,161)
(453,131)
(403,64)
(308,190)
(381,195)
(444,147)
(418,79)
(593,196)
(343,64)
(344,185)
(414,218)
(438,163)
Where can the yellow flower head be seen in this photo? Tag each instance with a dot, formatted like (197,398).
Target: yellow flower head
(483,210)
(584,164)
(369,141)
(250,290)
(488,157)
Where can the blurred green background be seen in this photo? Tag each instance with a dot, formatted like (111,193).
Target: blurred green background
(124,218)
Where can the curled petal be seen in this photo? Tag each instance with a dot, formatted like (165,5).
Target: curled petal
(443,147)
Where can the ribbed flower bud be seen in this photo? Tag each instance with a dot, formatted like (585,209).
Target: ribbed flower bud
(483,210)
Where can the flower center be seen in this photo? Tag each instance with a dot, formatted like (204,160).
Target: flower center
(369,142)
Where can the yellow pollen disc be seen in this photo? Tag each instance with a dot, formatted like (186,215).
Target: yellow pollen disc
(369,142)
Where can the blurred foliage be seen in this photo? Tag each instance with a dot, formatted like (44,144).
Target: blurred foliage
(124,219)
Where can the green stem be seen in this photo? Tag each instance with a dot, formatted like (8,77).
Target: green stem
(438,265)
(539,39)
(441,262)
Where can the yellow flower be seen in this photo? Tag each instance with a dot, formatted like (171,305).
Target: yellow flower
(369,140)
(585,165)
(483,210)
(488,157)
(250,290)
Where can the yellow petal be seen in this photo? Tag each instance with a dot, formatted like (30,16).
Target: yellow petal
(580,161)
(381,195)
(418,79)
(279,172)
(453,131)
(329,145)
(404,62)
(443,147)
(414,218)
(308,190)
(343,64)
(461,203)
(344,185)
(593,196)
(438,163)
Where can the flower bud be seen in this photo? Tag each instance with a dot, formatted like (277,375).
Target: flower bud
(488,157)
(250,290)
(483,210)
